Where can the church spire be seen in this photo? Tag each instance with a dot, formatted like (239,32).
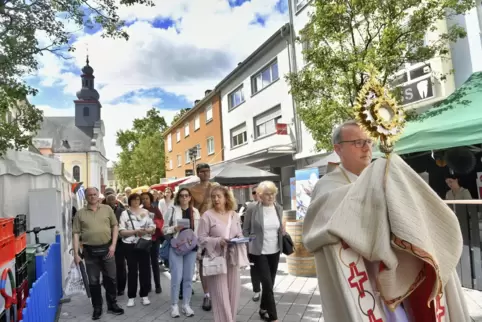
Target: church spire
(88,91)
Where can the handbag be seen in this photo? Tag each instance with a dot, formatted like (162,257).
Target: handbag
(288,245)
(217,265)
(184,243)
(142,244)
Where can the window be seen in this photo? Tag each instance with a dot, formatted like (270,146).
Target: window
(178,135)
(86,111)
(209,113)
(236,97)
(169,142)
(76,173)
(198,151)
(187,157)
(179,160)
(239,135)
(306,45)
(197,122)
(299,4)
(265,123)
(170,164)
(210,145)
(264,78)
(186,129)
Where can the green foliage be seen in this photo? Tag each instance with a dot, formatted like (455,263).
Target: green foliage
(21,22)
(141,161)
(345,37)
(179,114)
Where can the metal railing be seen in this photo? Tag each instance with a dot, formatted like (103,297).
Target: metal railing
(46,292)
(469,214)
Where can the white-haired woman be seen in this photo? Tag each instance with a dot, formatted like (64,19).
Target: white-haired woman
(264,221)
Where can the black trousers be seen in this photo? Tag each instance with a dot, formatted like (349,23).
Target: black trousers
(95,265)
(138,267)
(266,267)
(155,262)
(120,265)
(254,275)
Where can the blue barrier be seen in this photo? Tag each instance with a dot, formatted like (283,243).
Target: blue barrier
(44,296)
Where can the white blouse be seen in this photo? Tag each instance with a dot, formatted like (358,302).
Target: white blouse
(271,229)
(163,206)
(139,222)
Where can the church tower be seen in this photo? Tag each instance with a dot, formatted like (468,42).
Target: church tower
(87,105)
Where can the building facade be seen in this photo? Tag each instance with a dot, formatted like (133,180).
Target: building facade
(78,141)
(194,138)
(420,86)
(467,52)
(257,110)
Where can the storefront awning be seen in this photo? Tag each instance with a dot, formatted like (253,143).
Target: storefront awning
(457,121)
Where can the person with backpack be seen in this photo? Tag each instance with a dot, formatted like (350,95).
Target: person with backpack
(181,223)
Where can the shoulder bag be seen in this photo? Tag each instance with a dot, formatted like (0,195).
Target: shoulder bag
(217,265)
(142,244)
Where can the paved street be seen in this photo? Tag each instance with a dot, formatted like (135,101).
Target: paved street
(298,301)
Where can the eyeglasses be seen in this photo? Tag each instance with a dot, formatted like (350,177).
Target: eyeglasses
(359,143)
(184,195)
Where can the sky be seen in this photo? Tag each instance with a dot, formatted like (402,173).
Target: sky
(176,50)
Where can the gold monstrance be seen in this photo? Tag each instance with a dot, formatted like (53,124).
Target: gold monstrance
(378,114)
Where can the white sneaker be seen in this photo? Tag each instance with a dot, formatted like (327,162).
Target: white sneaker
(175,311)
(145,301)
(131,303)
(186,309)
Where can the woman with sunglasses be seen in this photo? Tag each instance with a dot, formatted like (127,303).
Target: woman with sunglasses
(182,267)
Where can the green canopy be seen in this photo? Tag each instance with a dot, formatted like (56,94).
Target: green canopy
(456,121)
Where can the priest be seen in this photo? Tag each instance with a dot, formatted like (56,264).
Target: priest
(386,246)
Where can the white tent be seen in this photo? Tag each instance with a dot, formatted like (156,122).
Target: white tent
(36,185)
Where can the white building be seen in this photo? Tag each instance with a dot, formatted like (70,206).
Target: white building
(421,89)
(255,98)
(467,52)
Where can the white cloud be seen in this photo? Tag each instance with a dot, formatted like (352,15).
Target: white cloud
(116,117)
(206,43)
(212,39)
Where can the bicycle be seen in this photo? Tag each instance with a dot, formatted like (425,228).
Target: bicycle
(36,231)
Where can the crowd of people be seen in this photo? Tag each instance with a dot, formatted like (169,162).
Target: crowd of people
(121,236)
(404,256)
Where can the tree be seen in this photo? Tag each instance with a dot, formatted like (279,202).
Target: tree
(179,114)
(21,22)
(346,37)
(141,160)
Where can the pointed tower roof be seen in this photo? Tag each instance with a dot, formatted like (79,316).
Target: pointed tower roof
(88,91)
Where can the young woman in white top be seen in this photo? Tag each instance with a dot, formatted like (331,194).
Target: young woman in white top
(182,267)
(132,227)
(167,201)
(263,220)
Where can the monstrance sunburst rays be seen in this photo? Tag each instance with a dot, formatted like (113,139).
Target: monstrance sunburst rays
(378,114)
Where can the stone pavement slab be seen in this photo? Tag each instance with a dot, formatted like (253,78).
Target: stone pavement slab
(297,299)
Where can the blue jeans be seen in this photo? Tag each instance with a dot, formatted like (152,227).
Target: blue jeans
(182,269)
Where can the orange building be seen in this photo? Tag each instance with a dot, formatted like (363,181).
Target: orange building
(198,130)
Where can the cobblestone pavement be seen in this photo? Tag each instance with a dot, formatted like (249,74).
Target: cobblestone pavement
(297,297)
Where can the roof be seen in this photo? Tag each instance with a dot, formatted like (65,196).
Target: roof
(274,39)
(188,114)
(56,130)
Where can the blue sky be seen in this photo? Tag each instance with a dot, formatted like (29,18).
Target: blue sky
(169,61)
